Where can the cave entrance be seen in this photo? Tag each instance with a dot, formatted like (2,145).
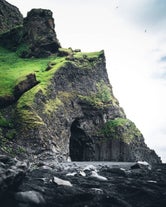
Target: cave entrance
(81,146)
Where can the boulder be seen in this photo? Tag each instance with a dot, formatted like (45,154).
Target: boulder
(39,34)
(24,85)
(12,173)
(33,36)
(30,198)
(53,187)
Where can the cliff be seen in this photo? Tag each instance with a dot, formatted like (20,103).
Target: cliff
(10,17)
(60,104)
(33,36)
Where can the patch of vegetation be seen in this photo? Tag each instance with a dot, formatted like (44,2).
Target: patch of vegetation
(4,143)
(11,134)
(23,50)
(14,68)
(52,105)
(111,126)
(66,96)
(120,128)
(87,60)
(65,51)
(102,97)
(4,122)
(29,118)
(7,147)
(103,92)
(89,55)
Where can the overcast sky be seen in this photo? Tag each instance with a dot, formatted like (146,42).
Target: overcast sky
(132,33)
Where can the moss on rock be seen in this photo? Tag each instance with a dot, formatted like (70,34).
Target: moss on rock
(29,118)
(52,105)
(103,97)
(120,128)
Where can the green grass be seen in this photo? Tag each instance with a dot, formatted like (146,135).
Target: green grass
(14,69)
(102,97)
(4,122)
(120,128)
(52,105)
(89,55)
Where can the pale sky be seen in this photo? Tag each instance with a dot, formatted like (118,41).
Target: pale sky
(132,33)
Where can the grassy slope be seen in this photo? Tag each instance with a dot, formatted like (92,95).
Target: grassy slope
(14,69)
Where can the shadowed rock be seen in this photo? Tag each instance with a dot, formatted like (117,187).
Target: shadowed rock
(26,84)
(50,187)
(73,113)
(11,22)
(39,33)
(23,86)
(10,17)
(32,37)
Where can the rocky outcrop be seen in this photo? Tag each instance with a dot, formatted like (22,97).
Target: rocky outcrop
(81,184)
(12,173)
(39,34)
(11,22)
(23,85)
(71,113)
(78,117)
(32,37)
(10,17)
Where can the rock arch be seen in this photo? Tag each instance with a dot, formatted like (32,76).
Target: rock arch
(81,145)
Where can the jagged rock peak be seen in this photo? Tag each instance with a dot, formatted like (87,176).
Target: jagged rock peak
(33,36)
(10,16)
(40,12)
(39,33)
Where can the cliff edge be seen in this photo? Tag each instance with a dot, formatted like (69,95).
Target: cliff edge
(61,106)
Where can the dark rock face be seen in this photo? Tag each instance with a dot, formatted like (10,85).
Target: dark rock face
(10,17)
(11,39)
(11,22)
(69,123)
(24,85)
(6,101)
(81,184)
(73,113)
(12,173)
(39,34)
(32,37)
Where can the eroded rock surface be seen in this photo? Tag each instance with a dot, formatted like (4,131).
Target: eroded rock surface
(33,36)
(11,23)
(71,113)
(10,17)
(20,88)
(39,34)
(81,119)
(74,184)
